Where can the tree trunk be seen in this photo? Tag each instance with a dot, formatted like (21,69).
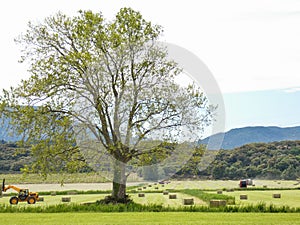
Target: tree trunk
(119,182)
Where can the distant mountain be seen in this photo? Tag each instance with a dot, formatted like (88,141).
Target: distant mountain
(7,134)
(241,136)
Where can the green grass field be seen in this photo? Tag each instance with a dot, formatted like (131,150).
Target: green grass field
(224,184)
(151,218)
(150,198)
(288,197)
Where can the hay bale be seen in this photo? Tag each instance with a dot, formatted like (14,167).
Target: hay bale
(139,189)
(162,185)
(149,185)
(173,196)
(188,201)
(156,188)
(265,186)
(66,199)
(165,192)
(40,199)
(141,195)
(53,193)
(277,195)
(219,192)
(243,197)
(217,203)
(144,187)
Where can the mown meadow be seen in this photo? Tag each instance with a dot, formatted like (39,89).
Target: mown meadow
(156,207)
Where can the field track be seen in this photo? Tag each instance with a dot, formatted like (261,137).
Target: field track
(66,187)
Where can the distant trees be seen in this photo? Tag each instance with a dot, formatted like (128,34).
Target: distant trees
(278,160)
(12,158)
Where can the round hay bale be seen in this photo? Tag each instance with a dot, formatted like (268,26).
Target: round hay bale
(217,203)
(165,192)
(40,199)
(219,192)
(188,201)
(149,185)
(141,195)
(277,195)
(173,196)
(66,199)
(162,185)
(243,197)
(144,187)
(156,188)
(53,193)
(139,189)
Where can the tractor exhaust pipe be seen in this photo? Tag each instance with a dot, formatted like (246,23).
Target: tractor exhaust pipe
(3,184)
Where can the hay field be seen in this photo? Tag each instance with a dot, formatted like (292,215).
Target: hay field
(288,197)
(224,184)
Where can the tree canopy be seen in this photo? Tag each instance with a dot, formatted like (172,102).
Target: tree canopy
(106,82)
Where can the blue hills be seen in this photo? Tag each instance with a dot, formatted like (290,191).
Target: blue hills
(240,136)
(232,139)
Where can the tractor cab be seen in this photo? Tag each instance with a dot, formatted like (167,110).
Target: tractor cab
(23,194)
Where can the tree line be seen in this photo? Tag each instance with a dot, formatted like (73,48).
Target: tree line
(277,160)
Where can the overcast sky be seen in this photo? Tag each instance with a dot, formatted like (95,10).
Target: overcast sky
(248,45)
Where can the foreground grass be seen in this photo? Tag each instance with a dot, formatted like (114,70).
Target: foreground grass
(135,207)
(151,218)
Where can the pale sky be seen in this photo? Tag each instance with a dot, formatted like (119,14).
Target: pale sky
(248,45)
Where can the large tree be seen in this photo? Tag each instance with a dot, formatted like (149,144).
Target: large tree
(109,80)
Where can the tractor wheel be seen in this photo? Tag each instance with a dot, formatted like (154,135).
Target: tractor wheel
(31,200)
(13,200)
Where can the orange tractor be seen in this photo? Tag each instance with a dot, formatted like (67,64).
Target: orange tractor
(23,195)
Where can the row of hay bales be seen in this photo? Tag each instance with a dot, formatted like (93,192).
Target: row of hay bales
(150,186)
(65,199)
(185,201)
(245,197)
